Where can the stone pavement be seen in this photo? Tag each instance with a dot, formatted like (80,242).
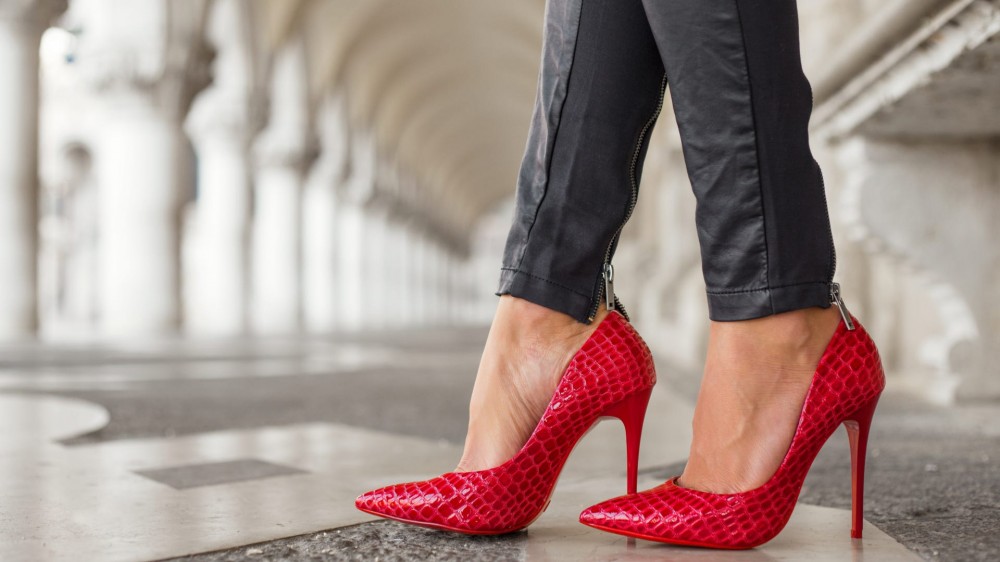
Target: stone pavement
(230,450)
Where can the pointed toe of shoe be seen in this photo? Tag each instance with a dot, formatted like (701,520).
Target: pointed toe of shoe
(435,503)
(651,514)
(373,501)
(391,501)
(616,515)
(675,515)
(447,502)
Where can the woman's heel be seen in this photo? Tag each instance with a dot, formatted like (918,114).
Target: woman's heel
(857,426)
(632,412)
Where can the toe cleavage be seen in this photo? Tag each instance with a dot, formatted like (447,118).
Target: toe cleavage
(611,375)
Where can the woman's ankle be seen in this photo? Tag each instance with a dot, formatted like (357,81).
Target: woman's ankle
(796,336)
(527,318)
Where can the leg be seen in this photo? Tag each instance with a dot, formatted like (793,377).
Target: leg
(743,105)
(599,89)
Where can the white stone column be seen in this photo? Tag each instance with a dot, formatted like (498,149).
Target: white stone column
(448,296)
(405,285)
(457,289)
(376,263)
(217,288)
(282,154)
(406,224)
(419,257)
(470,284)
(456,295)
(432,288)
(220,124)
(139,146)
(319,230)
(144,63)
(441,282)
(277,252)
(397,289)
(350,273)
(353,195)
(21,26)
(432,284)
(319,247)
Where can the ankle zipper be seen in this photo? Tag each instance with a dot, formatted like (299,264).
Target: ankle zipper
(610,298)
(605,289)
(837,300)
(609,286)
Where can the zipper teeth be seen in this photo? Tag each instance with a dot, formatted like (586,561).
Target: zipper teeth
(826,202)
(621,309)
(632,201)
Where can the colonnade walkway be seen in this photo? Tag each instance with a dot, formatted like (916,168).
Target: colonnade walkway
(255,449)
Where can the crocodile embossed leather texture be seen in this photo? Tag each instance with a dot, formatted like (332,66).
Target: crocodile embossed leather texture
(849,377)
(614,364)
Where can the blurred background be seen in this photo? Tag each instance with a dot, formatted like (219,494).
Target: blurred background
(248,251)
(245,168)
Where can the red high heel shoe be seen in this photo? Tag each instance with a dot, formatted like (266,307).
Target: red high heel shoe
(611,375)
(844,390)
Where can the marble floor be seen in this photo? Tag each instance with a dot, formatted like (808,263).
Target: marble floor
(228,450)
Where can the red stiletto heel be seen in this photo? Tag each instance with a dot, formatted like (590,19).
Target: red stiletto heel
(857,426)
(632,412)
(611,375)
(845,389)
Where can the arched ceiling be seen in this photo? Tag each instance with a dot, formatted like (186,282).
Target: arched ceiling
(445,86)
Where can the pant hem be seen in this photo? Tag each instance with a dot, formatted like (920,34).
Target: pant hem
(544,292)
(746,305)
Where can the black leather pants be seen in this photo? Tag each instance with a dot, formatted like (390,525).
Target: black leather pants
(742,105)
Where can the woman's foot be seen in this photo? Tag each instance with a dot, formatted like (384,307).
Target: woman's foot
(526,353)
(756,377)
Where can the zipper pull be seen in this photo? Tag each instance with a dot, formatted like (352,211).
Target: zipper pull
(609,286)
(835,299)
